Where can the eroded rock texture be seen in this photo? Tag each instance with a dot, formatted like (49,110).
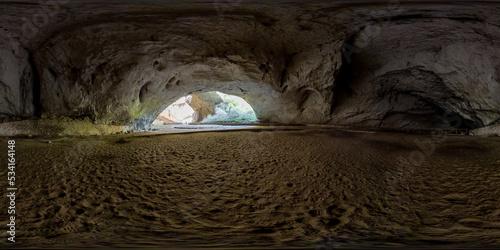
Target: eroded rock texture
(204,104)
(365,64)
(16,79)
(418,80)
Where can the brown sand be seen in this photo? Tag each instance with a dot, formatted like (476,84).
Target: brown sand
(311,187)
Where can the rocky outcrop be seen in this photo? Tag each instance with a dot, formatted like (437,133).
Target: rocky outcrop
(178,112)
(411,65)
(204,104)
(492,130)
(161,120)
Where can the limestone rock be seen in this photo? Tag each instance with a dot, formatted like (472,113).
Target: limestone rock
(204,104)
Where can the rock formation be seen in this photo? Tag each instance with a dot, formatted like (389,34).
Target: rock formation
(16,79)
(204,104)
(178,112)
(383,64)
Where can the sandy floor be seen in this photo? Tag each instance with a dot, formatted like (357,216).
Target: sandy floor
(313,187)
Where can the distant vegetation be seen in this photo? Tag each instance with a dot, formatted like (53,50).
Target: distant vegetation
(233,110)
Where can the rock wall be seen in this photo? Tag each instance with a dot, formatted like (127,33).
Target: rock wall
(16,79)
(452,71)
(62,126)
(364,64)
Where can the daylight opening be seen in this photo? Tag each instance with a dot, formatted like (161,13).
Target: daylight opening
(208,107)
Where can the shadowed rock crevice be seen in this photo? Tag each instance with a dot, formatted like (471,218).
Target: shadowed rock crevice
(36,88)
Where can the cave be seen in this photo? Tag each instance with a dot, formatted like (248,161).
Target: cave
(207,107)
(250,124)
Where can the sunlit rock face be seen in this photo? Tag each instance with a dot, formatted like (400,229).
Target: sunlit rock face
(204,104)
(363,64)
(178,112)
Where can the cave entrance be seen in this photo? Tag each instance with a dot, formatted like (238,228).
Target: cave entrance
(207,108)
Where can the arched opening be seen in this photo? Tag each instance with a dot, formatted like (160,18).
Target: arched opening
(207,108)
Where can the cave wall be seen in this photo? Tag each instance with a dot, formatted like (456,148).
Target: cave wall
(120,64)
(16,79)
(86,71)
(452,71)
